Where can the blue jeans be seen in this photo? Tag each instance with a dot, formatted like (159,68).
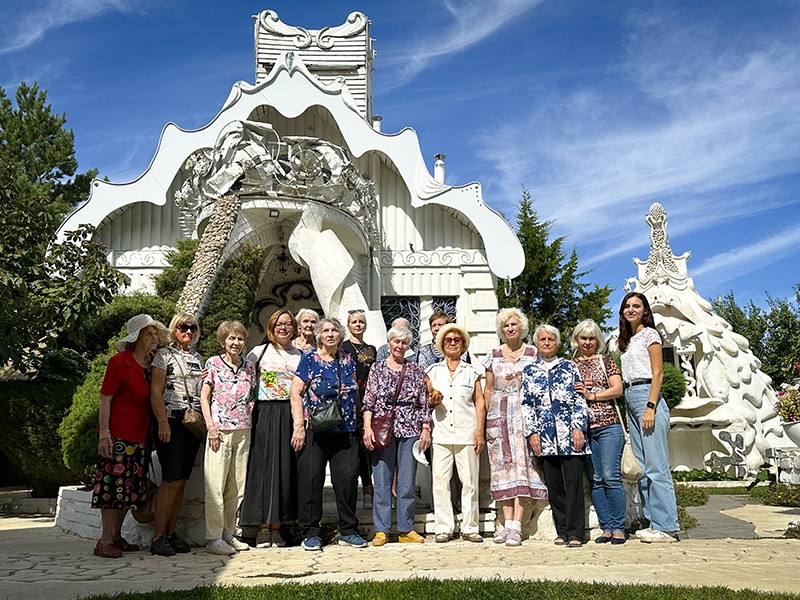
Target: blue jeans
(651,450)
(608,493)
(398,454)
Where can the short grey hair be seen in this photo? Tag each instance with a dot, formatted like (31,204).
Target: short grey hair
(399,332)
(302,311)
(324,321)
(548,329)
(505,314)
(402,322)
(590,329)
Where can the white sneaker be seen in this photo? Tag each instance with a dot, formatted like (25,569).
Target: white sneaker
(220,547)
(655,536)
(501,536)
(641,532)
(237,545)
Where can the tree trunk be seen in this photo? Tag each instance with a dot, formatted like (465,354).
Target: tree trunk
(209,253)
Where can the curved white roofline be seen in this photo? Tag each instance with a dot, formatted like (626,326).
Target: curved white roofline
(291,90)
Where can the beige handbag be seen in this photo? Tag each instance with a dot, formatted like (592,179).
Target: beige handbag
(192,419)
(629,467)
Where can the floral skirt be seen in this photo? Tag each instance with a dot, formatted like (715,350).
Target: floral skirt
(120,481)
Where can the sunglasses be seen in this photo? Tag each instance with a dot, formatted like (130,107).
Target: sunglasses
(184,327)
(453,340)
(355,310)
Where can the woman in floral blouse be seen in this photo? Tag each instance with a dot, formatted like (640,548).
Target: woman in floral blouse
(555,417)
(411,423)
(270,496)
(601,385)
(326,373)
(225,399)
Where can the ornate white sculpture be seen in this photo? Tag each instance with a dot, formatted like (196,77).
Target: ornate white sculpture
(727,415)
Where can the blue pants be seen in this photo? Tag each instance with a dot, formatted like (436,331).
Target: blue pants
(398,454)
(651,450)
(608,492)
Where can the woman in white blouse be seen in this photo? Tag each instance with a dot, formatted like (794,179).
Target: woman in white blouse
(648,416)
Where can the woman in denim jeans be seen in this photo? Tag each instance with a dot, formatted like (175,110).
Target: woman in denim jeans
(601,384)
(409,399)
(648,416)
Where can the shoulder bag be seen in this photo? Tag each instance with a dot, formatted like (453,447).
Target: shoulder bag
(383,426)
(629,467)
(328,413)
(192,419)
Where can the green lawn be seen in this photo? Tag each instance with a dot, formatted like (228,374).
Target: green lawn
(441,590)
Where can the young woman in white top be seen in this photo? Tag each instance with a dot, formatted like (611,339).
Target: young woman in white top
(648,416)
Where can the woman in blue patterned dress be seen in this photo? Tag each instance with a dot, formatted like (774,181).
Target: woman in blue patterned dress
(555,417)
(326,373)
(411,422)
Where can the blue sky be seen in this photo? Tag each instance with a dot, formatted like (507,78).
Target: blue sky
(600,108)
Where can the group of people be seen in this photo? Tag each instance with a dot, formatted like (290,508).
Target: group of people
(315,396)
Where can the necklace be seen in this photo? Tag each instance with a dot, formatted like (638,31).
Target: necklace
(515,354)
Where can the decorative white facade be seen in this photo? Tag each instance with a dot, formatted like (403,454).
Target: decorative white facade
(727,419)
(351,216)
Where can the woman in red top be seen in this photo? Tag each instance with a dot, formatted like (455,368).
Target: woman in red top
(120,479)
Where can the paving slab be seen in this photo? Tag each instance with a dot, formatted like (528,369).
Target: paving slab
(38,561)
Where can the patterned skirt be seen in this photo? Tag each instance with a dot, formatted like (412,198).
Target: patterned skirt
(120,481)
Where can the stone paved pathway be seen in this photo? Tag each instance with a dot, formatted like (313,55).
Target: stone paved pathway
(38,561)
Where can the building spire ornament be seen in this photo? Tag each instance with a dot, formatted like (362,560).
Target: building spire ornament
(661,266)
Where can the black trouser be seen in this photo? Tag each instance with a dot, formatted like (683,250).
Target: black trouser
(341,451)
(563,476)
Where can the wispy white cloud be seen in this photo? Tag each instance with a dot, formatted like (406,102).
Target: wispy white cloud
(472,22)
(725,266)
(696,116)
(28,22)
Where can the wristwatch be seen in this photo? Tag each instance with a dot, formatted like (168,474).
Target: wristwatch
(651,405)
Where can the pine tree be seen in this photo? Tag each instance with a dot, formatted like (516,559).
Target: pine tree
(551,289)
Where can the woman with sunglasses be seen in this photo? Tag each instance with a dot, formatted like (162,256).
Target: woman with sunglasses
(175,386)
(270,495)
(364,354)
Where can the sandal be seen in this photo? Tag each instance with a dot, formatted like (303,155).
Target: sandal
(107,550)
(559,541)
(125,546)
(575,543)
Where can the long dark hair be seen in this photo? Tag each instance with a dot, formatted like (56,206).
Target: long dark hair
(625,332)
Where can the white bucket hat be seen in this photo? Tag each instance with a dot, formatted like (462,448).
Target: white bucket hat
(447,329)
(135,326)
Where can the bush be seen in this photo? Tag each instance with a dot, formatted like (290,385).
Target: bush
(689,495)
(112,318)
(169,283)
(702,475)
(30,414)
(234,295)
(673,385)
(78,430)
(777,494)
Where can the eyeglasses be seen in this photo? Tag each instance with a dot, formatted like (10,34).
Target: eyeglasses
(453,340)
(284,326)
(184,327)
(355,310)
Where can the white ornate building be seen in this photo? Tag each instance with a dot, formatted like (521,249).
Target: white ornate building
(727,418)
(352,216)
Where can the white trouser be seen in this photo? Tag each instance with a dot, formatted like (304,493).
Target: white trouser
(467,466)
(225,472)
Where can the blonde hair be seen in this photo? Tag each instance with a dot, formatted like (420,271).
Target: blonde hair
(228,327)
(505,314)
(590,329)
(179,319)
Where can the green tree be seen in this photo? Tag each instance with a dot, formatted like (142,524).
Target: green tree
(774,334)
(46,289)
(551,289)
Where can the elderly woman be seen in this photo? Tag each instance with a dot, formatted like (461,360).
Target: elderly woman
(515,474)
(225,399)
(120,478)
(601,384)
(326,375)
(270,496)
(364,354)
(648,416)
(398,387)
(555,415)
(457,434)
(175,386)
(306,321)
